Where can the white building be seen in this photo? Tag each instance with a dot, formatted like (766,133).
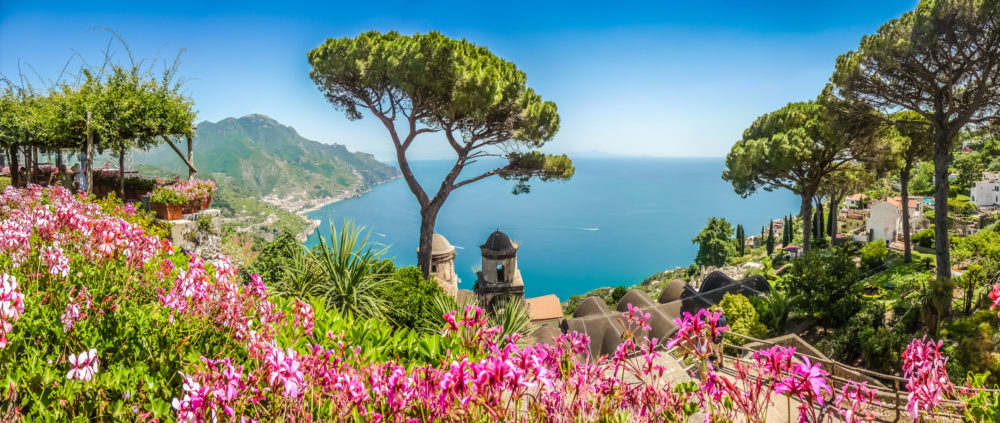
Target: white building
(986,193)
(886,219)
(854,201)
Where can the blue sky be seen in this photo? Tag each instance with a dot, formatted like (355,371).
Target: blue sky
(656,79)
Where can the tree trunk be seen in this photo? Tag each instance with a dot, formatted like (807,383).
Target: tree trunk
(942,157)
(90,157)
(428,217)
(190,152)
(831,220)
(904,194)
(15,173)
(121,175)
(820,226)
(28,162)
(806,211)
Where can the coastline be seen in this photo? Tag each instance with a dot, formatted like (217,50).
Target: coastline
(318,204)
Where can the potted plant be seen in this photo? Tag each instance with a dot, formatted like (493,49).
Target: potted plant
(167,202)
(136,187)
(206,190)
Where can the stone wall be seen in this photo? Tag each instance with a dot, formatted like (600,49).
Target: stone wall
(199,233)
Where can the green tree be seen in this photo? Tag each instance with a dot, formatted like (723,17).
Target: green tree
(942,61)
(973,277)
(741,238)
(429,83)
(714,243)
(792,148)
(969,167)
(922,182)
(824,285)
(742,318)
(618,293)
(873,254)
(910,145)
(770,239)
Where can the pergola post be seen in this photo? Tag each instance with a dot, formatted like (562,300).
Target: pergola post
(190,157)
(15,174)
(90,157)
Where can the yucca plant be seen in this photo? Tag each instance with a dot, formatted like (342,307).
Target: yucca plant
(347,275)
(300,279)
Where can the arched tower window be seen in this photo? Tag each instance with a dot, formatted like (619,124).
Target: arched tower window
(500,273)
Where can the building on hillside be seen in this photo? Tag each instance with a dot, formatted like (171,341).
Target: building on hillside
(793,251)
(545,310)
(850,220)
(885,220)
(986,192)
(499,280)
(855,201)
(443,265)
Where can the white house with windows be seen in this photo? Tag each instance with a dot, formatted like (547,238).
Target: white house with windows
(886,218)
(986,193)
(855,201)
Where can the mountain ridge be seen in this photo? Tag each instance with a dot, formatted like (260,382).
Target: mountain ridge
(274,162)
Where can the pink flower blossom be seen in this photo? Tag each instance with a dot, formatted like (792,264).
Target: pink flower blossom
(57,263)
(85,365)
(76,309)
(284,368)
(11,305)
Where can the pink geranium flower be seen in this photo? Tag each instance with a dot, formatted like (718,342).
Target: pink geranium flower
(85,365)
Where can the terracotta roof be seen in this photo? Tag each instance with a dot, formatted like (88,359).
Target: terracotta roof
(856,197)
(898,201)
(544,308)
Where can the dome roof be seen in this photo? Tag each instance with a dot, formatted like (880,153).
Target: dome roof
(499,241)
(672,292)
(440,245)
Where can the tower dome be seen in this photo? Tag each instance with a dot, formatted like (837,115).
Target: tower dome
(499,242)
(443,264)
(499,280)
(440,245)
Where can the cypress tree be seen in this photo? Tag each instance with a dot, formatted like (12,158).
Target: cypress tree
(770,239)
(740,240)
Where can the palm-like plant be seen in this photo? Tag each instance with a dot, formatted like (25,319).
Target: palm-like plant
(299,278)
(346,273)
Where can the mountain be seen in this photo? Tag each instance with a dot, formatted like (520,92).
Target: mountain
(271,160)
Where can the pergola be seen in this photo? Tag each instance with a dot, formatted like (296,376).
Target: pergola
(116,110)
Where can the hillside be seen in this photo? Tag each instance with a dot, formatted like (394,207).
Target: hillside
(256,154)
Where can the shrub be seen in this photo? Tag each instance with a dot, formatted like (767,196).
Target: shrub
(275,258)
(873,254)
(411,298)
(924,238)
(824,285)
(618,293)
(742,318)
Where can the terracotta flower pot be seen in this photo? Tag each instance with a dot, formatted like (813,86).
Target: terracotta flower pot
(133,194)
(206,202)
(192,206)
(167,211)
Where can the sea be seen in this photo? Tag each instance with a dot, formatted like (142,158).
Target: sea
(616,222)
